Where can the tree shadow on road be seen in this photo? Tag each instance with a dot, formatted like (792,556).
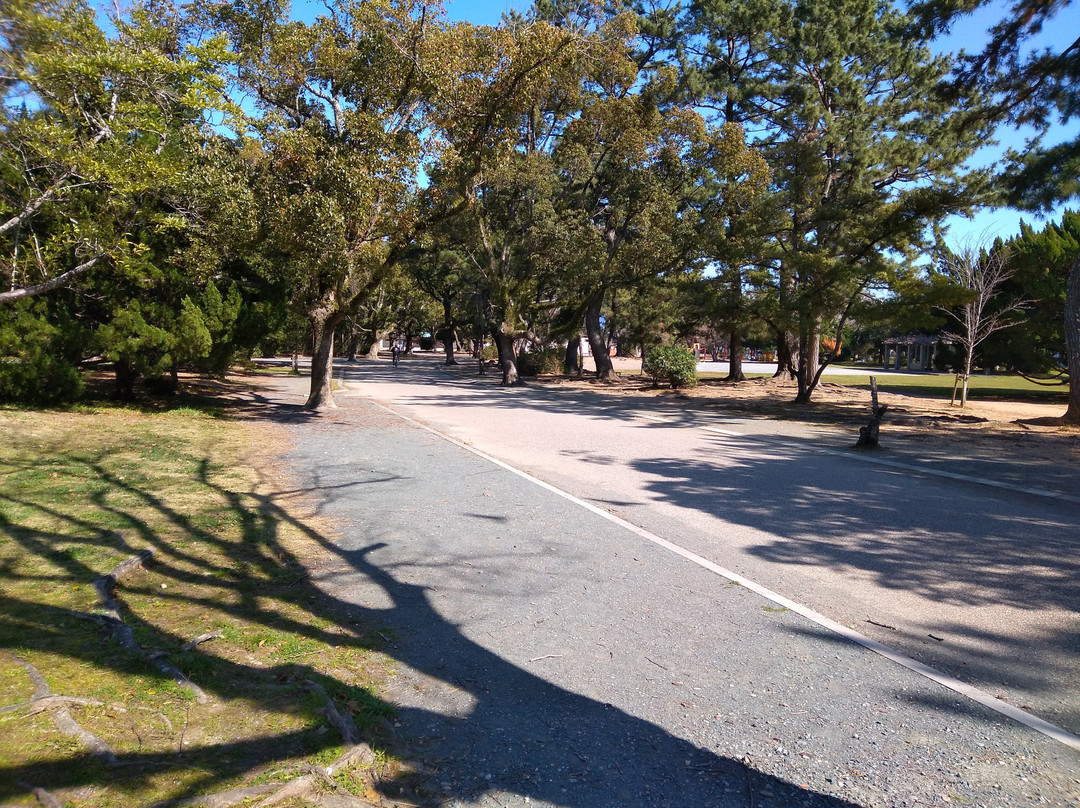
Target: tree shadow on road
(974,453)
(868,523)
(955,545)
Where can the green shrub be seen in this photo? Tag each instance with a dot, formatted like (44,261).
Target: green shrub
(33,368)
(543,360)
(673,364)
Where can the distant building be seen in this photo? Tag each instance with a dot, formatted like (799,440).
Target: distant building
(914,352)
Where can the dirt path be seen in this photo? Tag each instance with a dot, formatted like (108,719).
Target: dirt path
(1014,429)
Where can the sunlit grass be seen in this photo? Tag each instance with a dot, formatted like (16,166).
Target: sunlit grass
(940,385)
(83,489)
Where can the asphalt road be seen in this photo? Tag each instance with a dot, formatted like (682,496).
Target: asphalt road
(552,657)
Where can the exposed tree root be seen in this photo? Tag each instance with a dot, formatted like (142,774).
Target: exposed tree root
(40,705)
(315,787)
(62,718)
(342,722)
(210,635)
(226,799)
(109,618)
(43,796)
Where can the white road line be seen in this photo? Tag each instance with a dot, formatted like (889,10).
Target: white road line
(954,684)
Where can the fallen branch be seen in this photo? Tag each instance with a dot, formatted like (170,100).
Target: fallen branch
(882,625)
(210,635)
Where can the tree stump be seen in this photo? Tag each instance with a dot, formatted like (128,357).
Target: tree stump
(868,435)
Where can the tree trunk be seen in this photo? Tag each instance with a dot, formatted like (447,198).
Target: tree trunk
(1072,341)
(813,347)
(369,346)
(507,360)
(124,386)
(322,360)
(448,331)
(354,342)
(786,354)
(869,435)
(735,371)
(597,343)
(809,371)
(570,360)
(967,375)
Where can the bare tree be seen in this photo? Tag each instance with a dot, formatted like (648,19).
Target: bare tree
(981,274)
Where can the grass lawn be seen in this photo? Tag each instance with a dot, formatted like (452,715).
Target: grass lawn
(82,490)
(940,385)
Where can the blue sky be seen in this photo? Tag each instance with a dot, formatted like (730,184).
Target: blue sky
(480,12)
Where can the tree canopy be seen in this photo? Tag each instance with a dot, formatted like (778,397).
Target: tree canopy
(189,184)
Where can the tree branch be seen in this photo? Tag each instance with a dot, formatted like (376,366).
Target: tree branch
(54,283)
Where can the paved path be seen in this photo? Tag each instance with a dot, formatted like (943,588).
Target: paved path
(577,664)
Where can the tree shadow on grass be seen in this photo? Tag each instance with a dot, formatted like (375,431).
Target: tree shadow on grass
(236,558)
(240,395)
